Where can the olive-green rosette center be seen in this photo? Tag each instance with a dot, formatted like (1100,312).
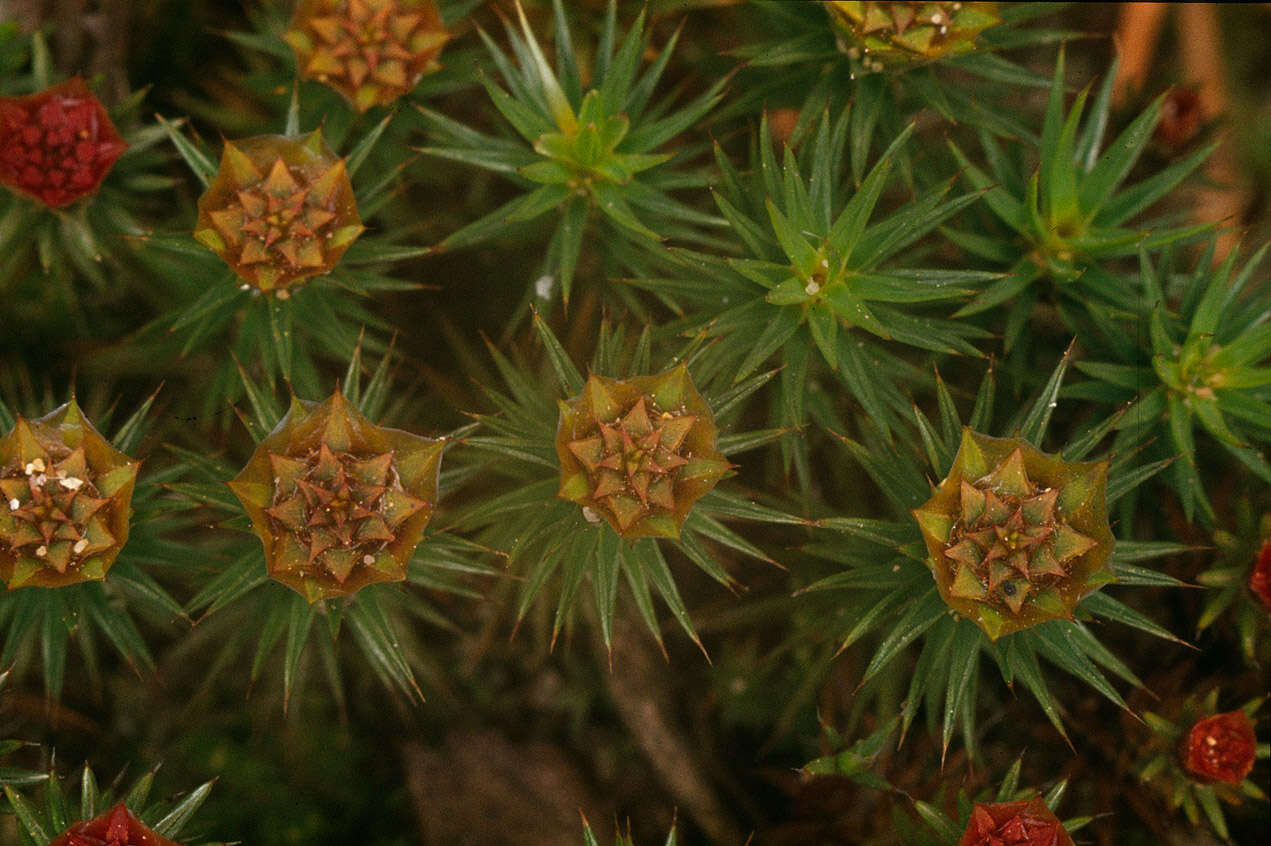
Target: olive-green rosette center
(1016,537)
(67,495)
(337,501)
(638,453)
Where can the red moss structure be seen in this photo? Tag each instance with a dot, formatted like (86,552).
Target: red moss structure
(57,145)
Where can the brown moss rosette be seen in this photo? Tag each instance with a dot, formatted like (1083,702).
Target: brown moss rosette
(370,51)
(1016,537)
(279,211)
(338,502)
(67,495)
(907,33)
(638,453)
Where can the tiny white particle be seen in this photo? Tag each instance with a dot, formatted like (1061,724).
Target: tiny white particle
(14,505)
(589,515)
(543,287)
(368,559)
(80,545)
(40,480)
(937,18)
(811,288)
(41,551)
(244,287)
(284,294)
(71,483)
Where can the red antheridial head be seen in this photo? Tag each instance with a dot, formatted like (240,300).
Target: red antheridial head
(57,145)
(338,502)
(1260,578)
(66,494)
(280,210)
(1024,823)
(371,51)
(117,827)
(1016,537)
(1221,748)
(638,453)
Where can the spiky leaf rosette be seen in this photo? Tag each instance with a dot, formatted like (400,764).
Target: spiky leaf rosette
(1014,536)
(1008,816)
(639,452)
(899,599)
(582,153)
(1203,361)
(284,495)
(338,502)
(1199,759)
(371,51)
(281,209)
(103,818)
(58,144)
(1068,212)
(295,325)
(1240,582)
(67,493)
(903,33)
(562,513)
(93,179)
(116,827)
(1024,823)
(42,621)
(801,58)
(818,277)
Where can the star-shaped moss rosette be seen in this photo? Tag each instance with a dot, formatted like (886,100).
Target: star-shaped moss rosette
(371,51)
(1200,369)
(104,817)
(821,285)
(896,573)
(588,155)
(338,502)
(1239,581)
(1014,536)
(57,145)
(1024,823)
(1009,816)
(67,495)
(280,210)
(903,33)
(564,516)
(1053,224)
(118,826)
(1199,759)
(79,503)
(639,452)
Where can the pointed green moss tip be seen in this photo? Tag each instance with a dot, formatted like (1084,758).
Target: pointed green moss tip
(670,390)
(603,406)
(1010,477)
(970,457)
(993,623)
(934,525)
(242,170)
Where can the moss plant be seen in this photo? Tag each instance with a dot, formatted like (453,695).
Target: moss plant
(739,421)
